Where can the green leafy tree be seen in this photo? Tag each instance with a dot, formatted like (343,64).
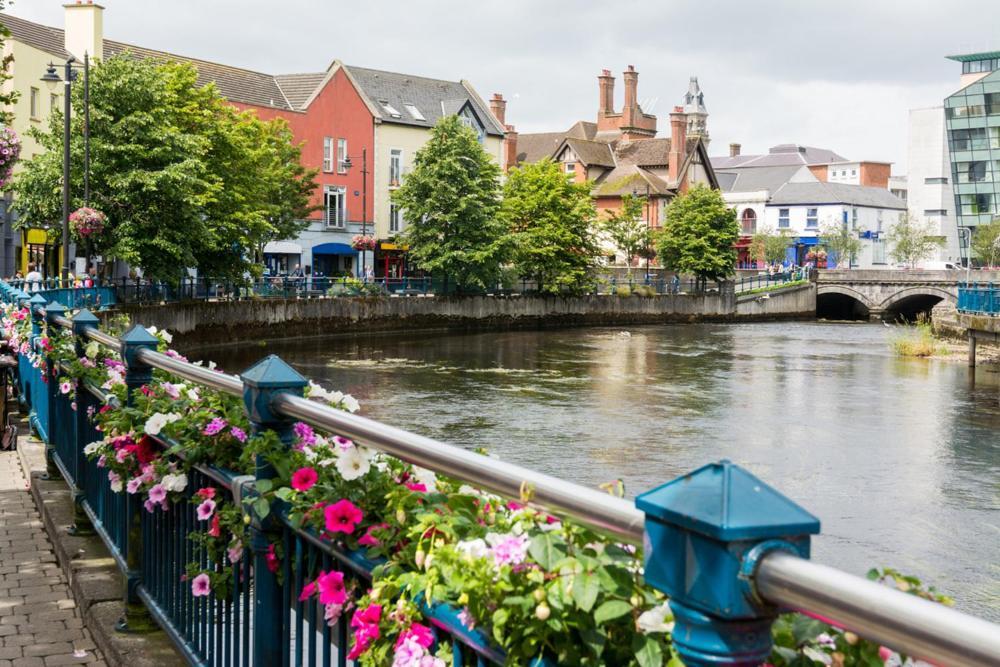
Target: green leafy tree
(769,246)
(841,240)
(912,240)
(628,231)
(986,243)
(699,235)
(551,222)
(185,179)
(451,200)
(9,97)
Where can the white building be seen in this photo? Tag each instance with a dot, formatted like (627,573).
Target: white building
(928,184)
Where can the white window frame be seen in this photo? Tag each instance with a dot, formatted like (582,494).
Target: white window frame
(812,221)
(33,103)
(339,219)
(395,218)
(786,218)
(414,111)
(327,154)
(395,165)
(341,155)
(570,167)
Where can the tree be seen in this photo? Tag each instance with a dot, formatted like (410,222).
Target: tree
(627,230)
(841,240)
(913,241)
(769,246)
(986,243)
(185,179)
(451,200)
(699,235)
(551,222)
(8,98)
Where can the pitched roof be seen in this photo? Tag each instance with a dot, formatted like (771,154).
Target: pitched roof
(835,193)
(646,152)
(42,37)
(298,88)
(534,147)
(756,178)
(432,98)
(592,152)
(628,178)
(781,155)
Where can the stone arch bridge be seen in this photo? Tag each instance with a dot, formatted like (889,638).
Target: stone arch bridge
(890,293)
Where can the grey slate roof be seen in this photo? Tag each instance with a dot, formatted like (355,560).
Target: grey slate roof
(592,152)
(434,98)
(299,87)
(534,147)
(753,179)
(782,155)
(835,193)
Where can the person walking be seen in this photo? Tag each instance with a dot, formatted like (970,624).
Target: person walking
(33,281)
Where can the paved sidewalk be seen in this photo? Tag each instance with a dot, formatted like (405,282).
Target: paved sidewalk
(40,624)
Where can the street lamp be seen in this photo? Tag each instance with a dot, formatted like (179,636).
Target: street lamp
(347,164)
(51,78)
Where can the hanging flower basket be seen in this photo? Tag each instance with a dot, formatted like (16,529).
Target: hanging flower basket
(361,242)
(87,222)
(10,149)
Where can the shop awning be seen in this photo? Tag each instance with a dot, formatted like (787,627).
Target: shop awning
(282,248)
(334,249)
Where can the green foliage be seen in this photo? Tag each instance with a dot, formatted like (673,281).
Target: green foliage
(8,97)
(627,230)
(550,220)
(986,243)
(769,246)
(918,342)
(699,235)
(451,200)
(185,179)
(838,238)
(913,241)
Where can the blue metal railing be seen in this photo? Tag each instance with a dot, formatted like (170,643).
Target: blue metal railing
(979,298)
(723,608)
(766,280)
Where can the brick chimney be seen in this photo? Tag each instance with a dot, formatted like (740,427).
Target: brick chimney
(678,142)
(631,108)
(734,150)
(498,105)
(510,148)
(606,90)
(84,29)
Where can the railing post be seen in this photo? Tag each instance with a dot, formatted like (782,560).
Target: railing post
(261,383)
(83,320)
(706,533)
(136,617)
(52,311)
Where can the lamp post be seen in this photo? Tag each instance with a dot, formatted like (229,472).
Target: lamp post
(347,164)
(51,78)
(965,248)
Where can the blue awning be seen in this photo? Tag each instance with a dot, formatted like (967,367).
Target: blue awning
(807,240)
(333,249)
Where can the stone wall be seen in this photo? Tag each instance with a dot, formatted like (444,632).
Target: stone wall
(778,304)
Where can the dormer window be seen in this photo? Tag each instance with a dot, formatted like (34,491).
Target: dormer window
(414,111)
(389,109)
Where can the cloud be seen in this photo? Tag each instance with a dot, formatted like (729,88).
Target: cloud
(839,75)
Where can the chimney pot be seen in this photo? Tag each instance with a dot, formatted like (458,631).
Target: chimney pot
(631,94)
(498,105)
(734,150)
(606,93)
(678,143)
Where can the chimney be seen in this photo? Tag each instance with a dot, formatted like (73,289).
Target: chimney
(510,148)
(84,29)
(498,105)
(734,150)
(606,98)
(631,91)
(678,142)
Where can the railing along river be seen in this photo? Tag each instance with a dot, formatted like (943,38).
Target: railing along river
(729,550)
(979,298)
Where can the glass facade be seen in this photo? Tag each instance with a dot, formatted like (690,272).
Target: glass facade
(972,117)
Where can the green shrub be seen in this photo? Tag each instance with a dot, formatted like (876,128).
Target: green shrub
(623,290)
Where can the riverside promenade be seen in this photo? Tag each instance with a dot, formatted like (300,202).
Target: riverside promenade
(40,624)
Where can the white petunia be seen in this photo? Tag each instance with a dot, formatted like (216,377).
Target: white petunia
(156,423)
(192,395)
(92,448)
(425,477)
(657,619)
(166,336)
(353,462)
(174,482)
(350,403)
(152,330)
(474,549)
(91,350)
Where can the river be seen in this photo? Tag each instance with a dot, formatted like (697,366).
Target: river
(899,458)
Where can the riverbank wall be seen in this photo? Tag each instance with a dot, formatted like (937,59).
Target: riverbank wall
(206,323)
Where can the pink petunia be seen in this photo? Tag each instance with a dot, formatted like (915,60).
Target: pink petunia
(157,494)
(331,588)
(342,516)
(238,433)
(201,585)
(307,591)
(206,509)
(369,539)
(215,426)
(303,479)
(421,633)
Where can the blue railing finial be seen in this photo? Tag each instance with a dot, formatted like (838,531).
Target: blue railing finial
(262,382)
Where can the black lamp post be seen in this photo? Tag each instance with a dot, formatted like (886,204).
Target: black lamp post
(347,164)
(51,78)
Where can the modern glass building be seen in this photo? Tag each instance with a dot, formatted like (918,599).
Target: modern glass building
(972,121)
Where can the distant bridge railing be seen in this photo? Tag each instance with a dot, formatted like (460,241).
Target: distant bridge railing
(768,280)
(728,549)
(979,298)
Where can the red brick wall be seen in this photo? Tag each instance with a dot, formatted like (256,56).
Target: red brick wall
(875,174)
(820,171)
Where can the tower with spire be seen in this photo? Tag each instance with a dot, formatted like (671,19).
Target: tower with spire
(697,114)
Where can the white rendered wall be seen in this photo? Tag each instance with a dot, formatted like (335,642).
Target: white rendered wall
(927,157)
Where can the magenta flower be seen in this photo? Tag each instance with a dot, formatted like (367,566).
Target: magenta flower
(307,591)
(304,433)
(157,494)
(303,479)
(369,539)
(201,585)
(331,588)
(342,516)
(215,426)
(206,509)
(421,633)
(238,433)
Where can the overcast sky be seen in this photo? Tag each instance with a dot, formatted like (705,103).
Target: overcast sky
(838,74)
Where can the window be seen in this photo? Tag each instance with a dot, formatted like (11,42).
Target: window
(748,221)
(341,156)
(414,111)
(327,154)
(976,171)
(389,109)
(878,251)
(976,204)
(336,206)
(812,217)
(570,167)
(395,166)
(935,180)
(34,103)
(878,222)
(783,217)
(935,211)
(854,172)
(964,140)
(395,218)
(854,218)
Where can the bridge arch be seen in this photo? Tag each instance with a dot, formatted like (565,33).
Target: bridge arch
(839,302)
(910,302)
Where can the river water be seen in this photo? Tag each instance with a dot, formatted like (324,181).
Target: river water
(899,458)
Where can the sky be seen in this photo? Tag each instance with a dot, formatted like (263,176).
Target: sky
(835,74)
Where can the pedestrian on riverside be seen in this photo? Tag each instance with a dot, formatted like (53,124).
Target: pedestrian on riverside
(34,278)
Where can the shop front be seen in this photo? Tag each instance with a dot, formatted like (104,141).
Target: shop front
(281,257)
(334,260)
(38,248)
(390,260)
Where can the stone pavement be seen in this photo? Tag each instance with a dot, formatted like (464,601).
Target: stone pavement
(40,624)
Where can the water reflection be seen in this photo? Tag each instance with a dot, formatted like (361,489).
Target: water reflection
(899,458)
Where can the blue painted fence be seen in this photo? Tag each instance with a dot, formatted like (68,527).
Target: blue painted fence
(979,298)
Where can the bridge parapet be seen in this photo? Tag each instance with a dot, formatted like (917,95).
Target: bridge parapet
(894,276)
